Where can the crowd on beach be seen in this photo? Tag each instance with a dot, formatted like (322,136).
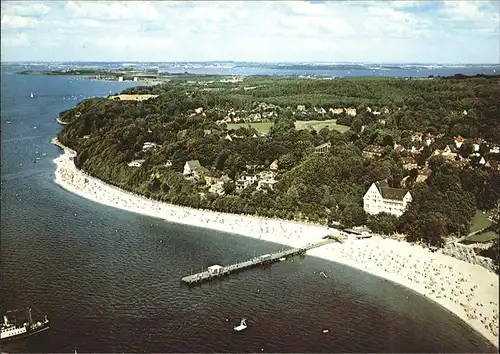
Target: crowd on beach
(469,291)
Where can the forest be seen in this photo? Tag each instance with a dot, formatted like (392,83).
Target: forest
(321,188)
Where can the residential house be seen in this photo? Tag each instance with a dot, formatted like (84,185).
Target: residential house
(209,180)
(417,137)
(136,163)
(476,145)
(301,108)
(408,163)
(217,188)
(168,163)
(194,169)
(372,151)
(336,110)
(267,175)
(350,111)
(447,152)
(428,140)
(323,148)
(248,177)
(319,110)
(381,198)
(415,150)
(274,165)
(242,183)
(495,149)
(399,148)
(149,145)
(459,140)
(228,137)
(267,184)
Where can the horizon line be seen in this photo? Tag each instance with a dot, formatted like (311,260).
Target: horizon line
(236,62)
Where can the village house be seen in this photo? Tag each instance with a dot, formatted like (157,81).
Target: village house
(423,175)
(125,97)
(415,150)
(399,148)
(218,186)
(381,198)
(248,177)
(336,110)
(274,165)
(149,145)
(323,148)
(417,137)
(350,111)
(372,151)
(447,152)
(319,110)
(209,180)
(267,175)
(267,184)
(477,145)
(459,141)
(136,163)
(194,169)
(408,163)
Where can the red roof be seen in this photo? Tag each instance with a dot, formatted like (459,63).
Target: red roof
(478,140)
(459,139)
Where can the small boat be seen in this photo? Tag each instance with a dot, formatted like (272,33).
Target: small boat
(241,326)
(282,259)
(31,95)
(11,330)
(325,331)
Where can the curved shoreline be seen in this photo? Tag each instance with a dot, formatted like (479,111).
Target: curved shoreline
(468,291)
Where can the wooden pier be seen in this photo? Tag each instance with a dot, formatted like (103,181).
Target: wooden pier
(253,262)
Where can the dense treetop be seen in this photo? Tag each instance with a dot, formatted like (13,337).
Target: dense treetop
(109,134)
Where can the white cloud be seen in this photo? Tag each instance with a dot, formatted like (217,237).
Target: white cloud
(15,40)
(134,10)
(258,30)
(25,8)
(17,22)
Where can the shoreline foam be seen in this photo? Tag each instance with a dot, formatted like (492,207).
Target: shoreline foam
(468,291)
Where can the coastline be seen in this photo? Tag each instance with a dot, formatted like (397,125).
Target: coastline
(468,291)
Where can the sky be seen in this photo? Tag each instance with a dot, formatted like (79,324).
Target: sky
(454,32)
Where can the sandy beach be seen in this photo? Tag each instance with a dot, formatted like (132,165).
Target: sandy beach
(469,291)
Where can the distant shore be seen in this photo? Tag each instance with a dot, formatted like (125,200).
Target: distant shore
(469,291)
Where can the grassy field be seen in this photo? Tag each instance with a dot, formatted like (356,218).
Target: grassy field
(261,127)
(320,124)
(478,222)
(482,237)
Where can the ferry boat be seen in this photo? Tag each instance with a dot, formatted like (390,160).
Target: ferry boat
(11,330)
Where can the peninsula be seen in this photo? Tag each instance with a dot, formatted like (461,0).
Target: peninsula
(414,161)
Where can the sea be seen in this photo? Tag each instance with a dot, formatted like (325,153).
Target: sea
(109,280)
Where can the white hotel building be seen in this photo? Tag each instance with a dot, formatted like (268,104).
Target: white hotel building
(381,198)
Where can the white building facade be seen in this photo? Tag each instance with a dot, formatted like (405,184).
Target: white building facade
(381,198)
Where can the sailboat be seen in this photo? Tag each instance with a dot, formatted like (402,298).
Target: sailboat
(241,326)
(31,95)
(11,330)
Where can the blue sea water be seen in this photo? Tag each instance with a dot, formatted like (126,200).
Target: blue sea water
(110,280)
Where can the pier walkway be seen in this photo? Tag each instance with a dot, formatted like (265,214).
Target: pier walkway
(264,259)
